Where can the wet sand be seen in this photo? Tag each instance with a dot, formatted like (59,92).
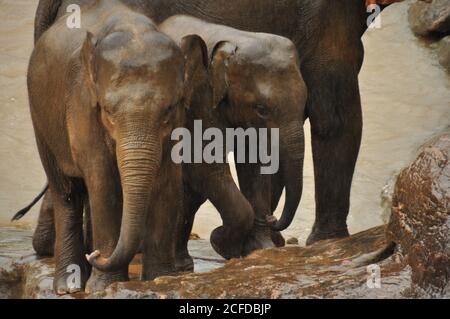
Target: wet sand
(405,95)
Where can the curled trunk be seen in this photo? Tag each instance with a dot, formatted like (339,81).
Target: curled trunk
(138,161)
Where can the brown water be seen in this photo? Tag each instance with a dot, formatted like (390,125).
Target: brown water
(405,93)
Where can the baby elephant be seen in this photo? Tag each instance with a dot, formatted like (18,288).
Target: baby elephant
(256,83)
(104,100)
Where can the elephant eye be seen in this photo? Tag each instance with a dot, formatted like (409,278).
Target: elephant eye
(168,112)
(107,109)
(171,108)
(262,111)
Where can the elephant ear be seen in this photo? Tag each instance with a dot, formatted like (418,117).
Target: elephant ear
(88,67)
(196,64)
(221,55)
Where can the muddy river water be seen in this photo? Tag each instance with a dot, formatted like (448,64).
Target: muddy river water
(405,94)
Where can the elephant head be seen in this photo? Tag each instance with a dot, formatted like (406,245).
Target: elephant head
(136,84)
(260,85)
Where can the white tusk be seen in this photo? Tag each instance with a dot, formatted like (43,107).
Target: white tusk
(93,256)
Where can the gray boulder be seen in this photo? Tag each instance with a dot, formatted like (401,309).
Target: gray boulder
(420,222)
(444,52)
(428,17)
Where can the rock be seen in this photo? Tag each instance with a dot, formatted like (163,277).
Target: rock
(444,52)
(428,17)
(22,275)
(326,270)
(420,222)
(432,18)
(292,241)
(331,269)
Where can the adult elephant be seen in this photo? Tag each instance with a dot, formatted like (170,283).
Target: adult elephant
(327,34)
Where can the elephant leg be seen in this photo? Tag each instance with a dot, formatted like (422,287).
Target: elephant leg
(257,189)
(105,203)
(333,175)
(334,109)
(71,267)
(162,224)
(45,235)
(237,215)
(192,203)
(67,194)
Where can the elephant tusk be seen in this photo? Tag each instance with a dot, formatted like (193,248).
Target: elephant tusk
(90,258)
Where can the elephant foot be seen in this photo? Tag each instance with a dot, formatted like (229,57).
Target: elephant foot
(69,280)
(184,263)
(260,238)
(223,245)
(99,281)
(62,288)
(278,239)
(319,235)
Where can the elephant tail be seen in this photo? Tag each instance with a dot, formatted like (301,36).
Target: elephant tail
(24,211)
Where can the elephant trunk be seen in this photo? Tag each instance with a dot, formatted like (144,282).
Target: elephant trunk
(138,161)
(292,156)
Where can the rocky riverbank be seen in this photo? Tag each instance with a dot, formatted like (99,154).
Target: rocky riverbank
(366,265)
(420,221)
(329,269)
(431,19)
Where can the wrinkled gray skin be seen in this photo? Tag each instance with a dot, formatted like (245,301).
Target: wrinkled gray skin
(104,100)
(256,82)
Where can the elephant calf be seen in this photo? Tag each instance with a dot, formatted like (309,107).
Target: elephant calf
(256,82)
(104,100)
